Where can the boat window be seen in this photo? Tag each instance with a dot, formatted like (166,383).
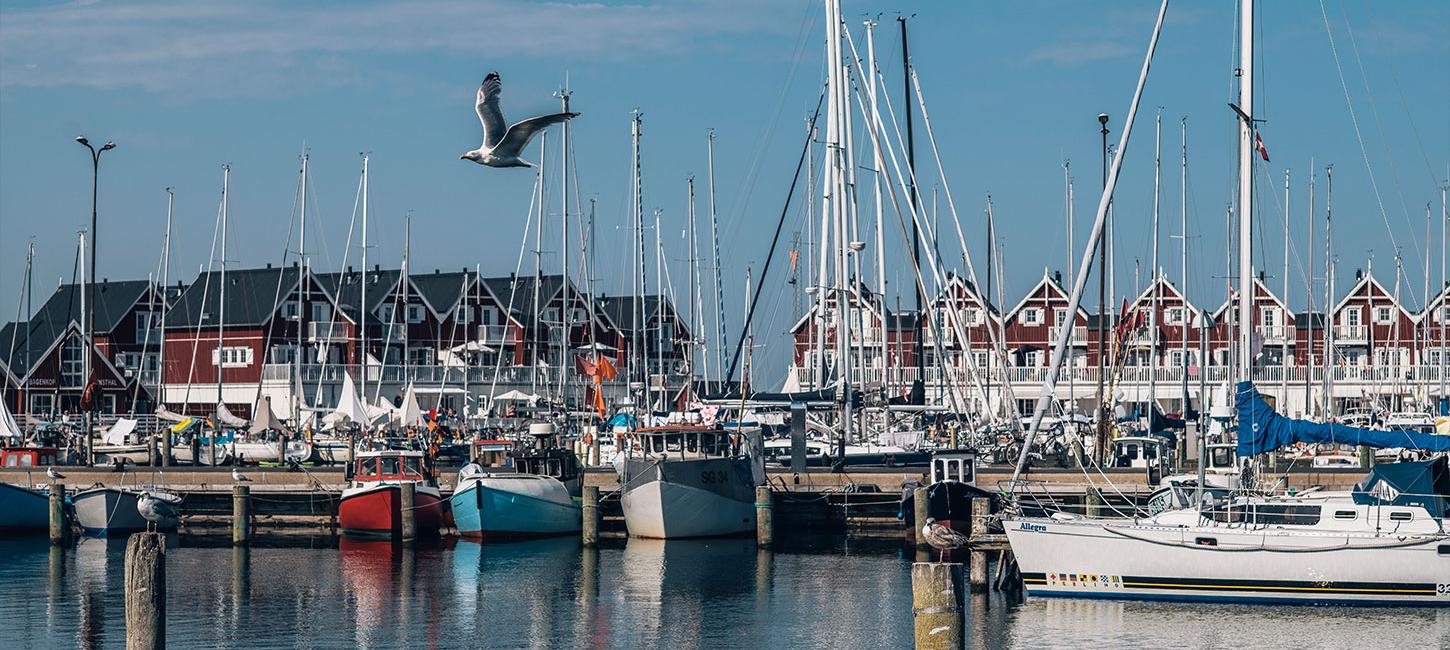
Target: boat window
(1205,541)
(1221,457)
(389,465)
(1285,515)
(692,442)
(10,461)
(1226,514)
(27,460)
(1345,514)
(411,468)
(673,442)
(1401,516)
(367,467)
(554,467)
(1443,550)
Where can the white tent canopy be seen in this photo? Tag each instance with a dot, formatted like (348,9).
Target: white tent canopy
(263,418)
(516,396)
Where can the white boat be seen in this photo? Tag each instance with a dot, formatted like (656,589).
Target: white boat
(680,482)
(122,444)
(105,510)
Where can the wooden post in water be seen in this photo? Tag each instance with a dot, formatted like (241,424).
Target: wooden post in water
(146,591)
(764,517)
(591,516)
(58,526)
(922,510)
(1093,502)
(936,604)
(981,510)
(241,515)
(594,450)
(407,516)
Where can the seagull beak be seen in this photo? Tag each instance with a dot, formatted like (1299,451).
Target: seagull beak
(463,157)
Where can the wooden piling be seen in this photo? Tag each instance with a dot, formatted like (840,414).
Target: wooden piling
(241,515)
(145,591)
(57,514)
(594,450)
(981,511)
(408,527)
(1093,502)
(764,517)
(936,602)
(922,510)
(591,516)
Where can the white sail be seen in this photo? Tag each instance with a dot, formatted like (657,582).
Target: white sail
(168,415)
(350,407)
(225,417)
(410,415)
(263,418)
(8,426)
(117,434)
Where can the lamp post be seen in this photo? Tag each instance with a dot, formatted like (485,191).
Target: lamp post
(90,289)
(1102,432)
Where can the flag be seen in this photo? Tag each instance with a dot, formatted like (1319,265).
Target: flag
(1259,146)
(606,369)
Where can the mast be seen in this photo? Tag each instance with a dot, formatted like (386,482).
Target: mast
(1246,193)
(991,266)
(302,313)
(1284,327)
(567,316)
(637,353)
(695,307)
(659,306)
(1071,322)
(1183,289)
(221,308)
(407,248)
(539,310)
(1443,233)
(1153,273)
(165,307)
(85,299)
(1330,267)
(362,324)
(1309,299)
(715,251)
(911,185)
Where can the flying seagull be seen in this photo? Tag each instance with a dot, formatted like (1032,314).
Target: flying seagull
(238,476)
(942,537)
(501,146)
(53,475)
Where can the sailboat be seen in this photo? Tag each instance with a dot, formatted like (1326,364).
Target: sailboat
(1382,543)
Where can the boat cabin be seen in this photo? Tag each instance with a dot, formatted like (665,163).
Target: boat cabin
(1222,457)
(955,465)
(389,465)
(491,453)
(28,456)
(685,442)
(1140,452)
(553,462)
(777,451)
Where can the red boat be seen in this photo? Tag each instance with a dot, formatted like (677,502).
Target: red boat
(369,505)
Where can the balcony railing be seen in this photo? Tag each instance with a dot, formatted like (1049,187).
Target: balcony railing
(431,374)
(327,332)
(1165,376)
(493,334)
(1351,332)
(1079,334)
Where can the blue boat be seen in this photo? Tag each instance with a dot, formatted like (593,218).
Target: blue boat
(512,505)
(23,509)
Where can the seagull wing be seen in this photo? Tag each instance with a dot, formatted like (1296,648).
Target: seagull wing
(519,135)
(489,112)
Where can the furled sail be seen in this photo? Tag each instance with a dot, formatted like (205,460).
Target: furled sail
(1261,430)
(225,417)
(350,407)
(263,418)
(170,416)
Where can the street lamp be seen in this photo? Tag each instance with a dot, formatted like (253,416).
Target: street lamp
(91,291)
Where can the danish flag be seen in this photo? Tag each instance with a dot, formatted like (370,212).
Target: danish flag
(1259,146)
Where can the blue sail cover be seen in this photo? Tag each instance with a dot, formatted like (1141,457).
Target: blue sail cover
(1424,483)
(1262,430)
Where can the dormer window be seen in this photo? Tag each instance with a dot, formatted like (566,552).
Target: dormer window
(1032,316)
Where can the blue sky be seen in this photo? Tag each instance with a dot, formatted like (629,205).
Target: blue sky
(1014,89)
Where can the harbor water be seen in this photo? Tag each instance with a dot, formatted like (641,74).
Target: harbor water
(320,593)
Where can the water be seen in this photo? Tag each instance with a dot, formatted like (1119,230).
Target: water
(639,594)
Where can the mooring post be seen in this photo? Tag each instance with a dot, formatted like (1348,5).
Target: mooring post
(146,591)
(936,602)
(58,526)
(406,515)
(1093,502)
(922,511)
(764,517)
(591,516)
(241,515)
(981,511)
(594,449)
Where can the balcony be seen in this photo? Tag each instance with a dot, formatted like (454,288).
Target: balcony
(1079,334)
(493,334)
(326,332)
(1277,333)
(1351,333)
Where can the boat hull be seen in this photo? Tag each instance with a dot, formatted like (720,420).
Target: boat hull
(373,510)
(107,510)
(503,508)
(131,454)
(1085,559)
(23,509)
(688,498)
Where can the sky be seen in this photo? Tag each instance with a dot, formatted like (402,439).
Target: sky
(1013,90)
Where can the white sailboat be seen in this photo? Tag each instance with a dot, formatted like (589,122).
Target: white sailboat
(1382,543)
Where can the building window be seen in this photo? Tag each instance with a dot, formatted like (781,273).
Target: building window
(488,316)
(1059,317)
(464,314)
(1173,316)
(415,314)
(1032,316)
(72,362)
(420,356)
(321,312)
(972,316)
(981,358)
(290,310)
(232,357)
(147,322)
(282,354)
(108,404)
(42,403)
(1382,315)
(1351,318)
(386,313)
(1180,358)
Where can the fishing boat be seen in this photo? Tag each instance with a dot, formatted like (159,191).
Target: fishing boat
(687,481)
(22,508)
(370,504)
(122,444)
(105,510)
(537,499)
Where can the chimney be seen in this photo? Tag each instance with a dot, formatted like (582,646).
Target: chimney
(269,265)
(1057,277)
(436,271)
(1261,276)
(295,264)
(377,268)
(1358,275)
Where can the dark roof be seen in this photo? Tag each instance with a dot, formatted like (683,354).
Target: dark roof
(516,294)
(22,345)
(1312,319)
(901,322)
(442,291)
(252,297)
(346,289)
(620,310)
(1094,321)
(113,301)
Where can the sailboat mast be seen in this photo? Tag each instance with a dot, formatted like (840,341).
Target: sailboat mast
(637,352)
(1284,329)
(1183,259)
(876,171)
(694,276)
(659,311)
(1071,321)
(836,172)
(715,251)
(1246,192)
(222,297)
(1309,300)
(1443,234)
(912,195)
(406,282)
(165,307)
(1330,267)
(362,324)
(568,311)
(1153,272)
(302,314)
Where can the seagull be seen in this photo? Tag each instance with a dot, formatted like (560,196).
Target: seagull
(501,146)
(160,511)
(53,475)
(238,476)
(942,537)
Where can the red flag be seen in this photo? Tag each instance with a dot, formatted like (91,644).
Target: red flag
(606,369)
(1259,147)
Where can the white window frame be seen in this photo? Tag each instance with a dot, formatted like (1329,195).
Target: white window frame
(387,312)
(1031,316)
(1352,317)
(415,314)
(1173,315)
(290,310)
(1269,317)
(232,357)
(1389,315)
(147,323)
(42,403)
(463,314)
(1059,316)
(73,370)
(321,311)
